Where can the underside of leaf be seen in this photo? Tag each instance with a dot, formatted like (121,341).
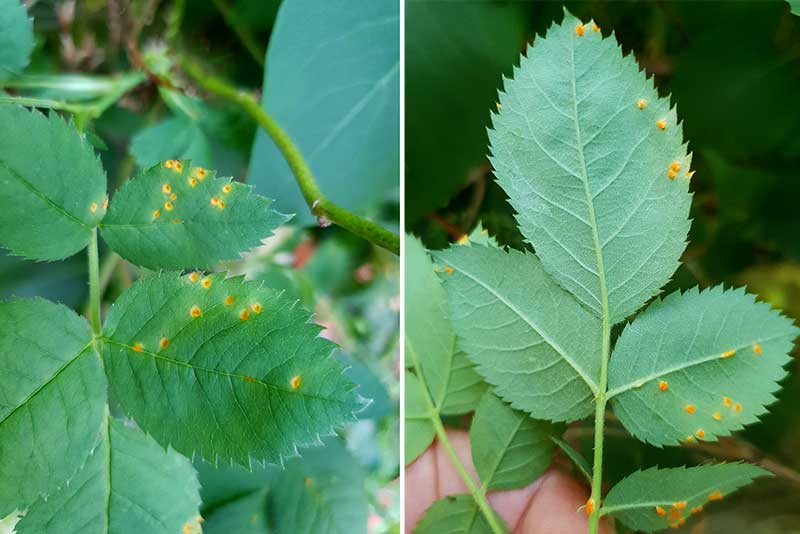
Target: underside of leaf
(594,164)
(52,186)
(175,216)
(659,498)
(225,368)
(52,399)
(698,365)
(528,337)
(455,514)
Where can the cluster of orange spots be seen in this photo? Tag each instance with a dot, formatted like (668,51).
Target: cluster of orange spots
(166,189)
(296,382)
(228,300)
(660,511)
(93,207)
(218,203)
(641,103)
(194,276)
(168,205)
(164,343)
(206,283)
(690,408)
(663,385)
(662,124)
(195,311)
(227,188)
(717,416)
(156,214)
(247,378)
(757,349)
(579,30)
(175,165)
(680,505)
(673,169)
(244,314)
(715,496)
(728,353)
(256,307)
(700,433)
(449,270)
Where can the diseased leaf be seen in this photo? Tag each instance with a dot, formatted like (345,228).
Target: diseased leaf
(659,498)
(581,150)
(173,216)
(52,399)
(430,340)
(321,492)
(698,365)
(245,515)
(509,449)
(454,514)
(418,426)
(52,186)
(16,38)
(528,337)
(332,81)
(224,368)
(129,484)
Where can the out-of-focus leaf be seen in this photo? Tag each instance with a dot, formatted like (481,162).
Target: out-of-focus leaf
(246,515)
(419,430)
(63,281)
(332,82)
(455,55)
(16,38)
(457,514)
(176,137)
(370,387)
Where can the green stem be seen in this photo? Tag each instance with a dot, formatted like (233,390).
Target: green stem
(478,494)
(320,206)
(243,32)
(599,423)
(94,286)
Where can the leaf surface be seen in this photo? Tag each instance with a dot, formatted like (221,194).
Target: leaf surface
(509,448)
(418,428)
(587,170)
(678,492)
(529,338)
(334,86)
(454,514)
(16,38)
(52,186)
(173,216)
(223,386)
(175,137)
(685,341)
(246,515)
(430,340)
(129,485)
(52,398)
(321,492)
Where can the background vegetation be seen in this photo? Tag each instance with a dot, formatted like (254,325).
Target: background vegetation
(113,66)
(733,69)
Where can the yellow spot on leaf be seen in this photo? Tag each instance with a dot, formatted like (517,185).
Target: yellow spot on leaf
(256,307)
(662,124)
(192,182)
(194,276)
(499,106)
(590,502)
(164,343)
(757,349)
(485,231)
(595,27)
(663,385)
(178,166)
(727,401)
(675,166)
(715,496)
(137,347)
(697,509)
(244,314)
(93,207)
(671,174)
(579,29)
(737,407)
(717,416)
(641,103)
(249,379)
(463,240)
(195,311)
(680,505)
(449,270)
(206,283)
(173,196)
(728,353)
(105,203)
(690,408)
(214,201)
(227,188)
(166,189)
(170,163)
(168,206)
(689,439)
(200,173)
(689,174)
(660,511)
(296,382)
(700,433)
(228,300)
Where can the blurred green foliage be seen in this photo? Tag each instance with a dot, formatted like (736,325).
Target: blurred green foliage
(733,70)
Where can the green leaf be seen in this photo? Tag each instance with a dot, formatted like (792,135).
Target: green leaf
(509,449)
(226,483)
(455,54)
(794,6)
(332,81)
(634,500)
(429,338)
(50,180)
(205,224)
(176,137)
(246,515)
(52,399)
(587,170)
(16,38)
(130,484)
(454,514)
(223,387)
(529,338)
(321,492)
(686,341)
(418,427)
